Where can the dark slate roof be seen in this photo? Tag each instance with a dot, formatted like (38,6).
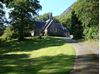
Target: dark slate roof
(61,27)
(40,24)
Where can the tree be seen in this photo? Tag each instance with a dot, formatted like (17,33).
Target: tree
(76,28)
(1,10)
(88,13)
(8,33)
(65,20)
(43,17)
(1,19)
(22,13)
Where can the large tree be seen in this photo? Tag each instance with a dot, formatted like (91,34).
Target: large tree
(22,13)
(88,13)
(2,13)
(76,27)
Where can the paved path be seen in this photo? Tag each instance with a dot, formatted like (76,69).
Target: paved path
(87,60)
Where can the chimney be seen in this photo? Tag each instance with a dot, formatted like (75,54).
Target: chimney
(50,16)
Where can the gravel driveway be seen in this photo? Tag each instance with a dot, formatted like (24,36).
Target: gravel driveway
(87,59)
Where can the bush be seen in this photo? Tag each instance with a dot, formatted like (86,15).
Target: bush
(91,33)
(2,42)
(8,33)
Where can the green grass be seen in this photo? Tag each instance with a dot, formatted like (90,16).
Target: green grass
(37,56)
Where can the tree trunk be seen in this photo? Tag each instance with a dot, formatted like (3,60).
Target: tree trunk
(21,28)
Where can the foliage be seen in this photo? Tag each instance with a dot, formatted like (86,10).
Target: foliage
(43,17)
(0,42)
(65,19)
(91,32)
(76,28)
(2,27)
(71,22)
(8,33)
(1,10)
(22,14)
(88,13)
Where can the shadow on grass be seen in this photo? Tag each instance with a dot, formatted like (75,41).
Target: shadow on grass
(31,44)
(21,64)
(59,64)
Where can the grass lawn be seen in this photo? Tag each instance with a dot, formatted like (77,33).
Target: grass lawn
(37,56)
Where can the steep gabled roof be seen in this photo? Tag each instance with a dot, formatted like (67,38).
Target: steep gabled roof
(47,24)
(40,24)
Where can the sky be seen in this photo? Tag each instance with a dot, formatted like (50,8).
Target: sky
(55,6)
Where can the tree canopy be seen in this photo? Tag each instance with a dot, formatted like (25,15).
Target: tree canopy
(2,13)
(22,13)
(43,17)
(87,12)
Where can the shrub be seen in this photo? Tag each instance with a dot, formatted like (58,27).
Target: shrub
(2,42)
(91,33)
(8,33)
